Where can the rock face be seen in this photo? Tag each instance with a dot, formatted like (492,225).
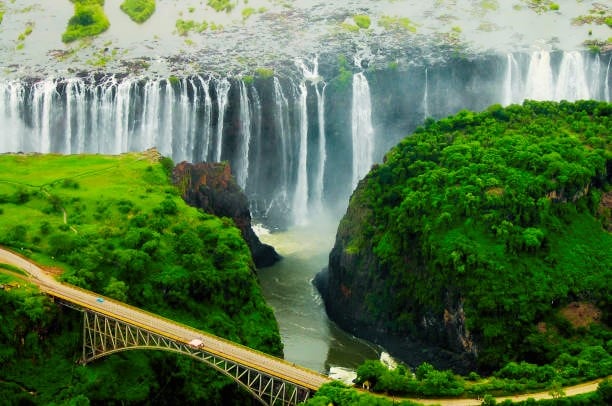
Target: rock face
(347,285)
(211,187)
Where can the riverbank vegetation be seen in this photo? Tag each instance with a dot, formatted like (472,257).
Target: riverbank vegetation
(513,378)
(138,10)
(117,226)
(339,394)
(88,20)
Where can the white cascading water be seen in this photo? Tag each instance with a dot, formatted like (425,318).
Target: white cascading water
(242,167)
(512,82)
(362,130)
(165,138)
(594,72)
(317,193)
(426,97)
(205,128)
(12,137)
(150,114)
(42,102)
(571,80)
(539,84)
(122,117)
(186,118)
(282,128)
(223,88)
(256,157)
(300,196)
(76,101)
(607,82)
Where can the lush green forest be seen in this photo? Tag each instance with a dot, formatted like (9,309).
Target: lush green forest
(116,225)
(339,395)
(503,214)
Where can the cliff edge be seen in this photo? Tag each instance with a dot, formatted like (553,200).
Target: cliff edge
(211,187)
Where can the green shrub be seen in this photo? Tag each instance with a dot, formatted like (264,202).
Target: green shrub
(88,20)
(221,5)
(362,21)
(264,73)
(138,10)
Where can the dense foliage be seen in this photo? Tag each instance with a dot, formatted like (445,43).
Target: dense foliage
(88,20)
(339,395)
(500,214)
(118,227)
(513,378)
(138,10)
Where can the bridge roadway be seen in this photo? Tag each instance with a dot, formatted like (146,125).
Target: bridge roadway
(165,327)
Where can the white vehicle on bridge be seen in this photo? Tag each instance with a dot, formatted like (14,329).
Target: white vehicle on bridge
(196,343)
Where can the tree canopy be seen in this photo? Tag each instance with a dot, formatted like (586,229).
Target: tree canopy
(502,213)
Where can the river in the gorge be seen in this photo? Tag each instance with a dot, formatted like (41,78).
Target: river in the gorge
(310,339)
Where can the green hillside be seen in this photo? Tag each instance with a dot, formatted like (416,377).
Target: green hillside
(116,225)
(487,234)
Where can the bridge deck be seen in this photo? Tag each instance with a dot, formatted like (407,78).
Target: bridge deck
(167,328)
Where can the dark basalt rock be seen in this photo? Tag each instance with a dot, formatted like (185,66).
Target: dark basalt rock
(345,286)
(211,187)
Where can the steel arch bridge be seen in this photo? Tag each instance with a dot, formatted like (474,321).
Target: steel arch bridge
(104,335)
(110,326)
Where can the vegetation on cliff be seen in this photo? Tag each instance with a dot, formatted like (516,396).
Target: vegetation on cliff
(88,20)
(138,10)
(117,226)
(496,223)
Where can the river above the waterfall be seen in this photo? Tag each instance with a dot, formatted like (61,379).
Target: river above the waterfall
(310,339)
(271,34)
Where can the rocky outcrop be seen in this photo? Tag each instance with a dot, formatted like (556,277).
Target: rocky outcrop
(351,288)
(211,187)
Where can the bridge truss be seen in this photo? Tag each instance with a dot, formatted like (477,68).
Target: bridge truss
(104,335)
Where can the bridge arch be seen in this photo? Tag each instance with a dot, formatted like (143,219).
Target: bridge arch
(104,335)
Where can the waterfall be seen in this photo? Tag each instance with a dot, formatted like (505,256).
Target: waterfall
(285,152)
(150,115)
(42,101)
(512,81)
(242,167)
(571,81)
(76,116)
(122,117)
(166,135)
(206,126)
(317,193)
(539,78)
(362,131)
(300,196)
(426,97)
(12,136)
(184,140)
(282,128)
(594,72)
(607,82)
(223,87)
(256,155)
